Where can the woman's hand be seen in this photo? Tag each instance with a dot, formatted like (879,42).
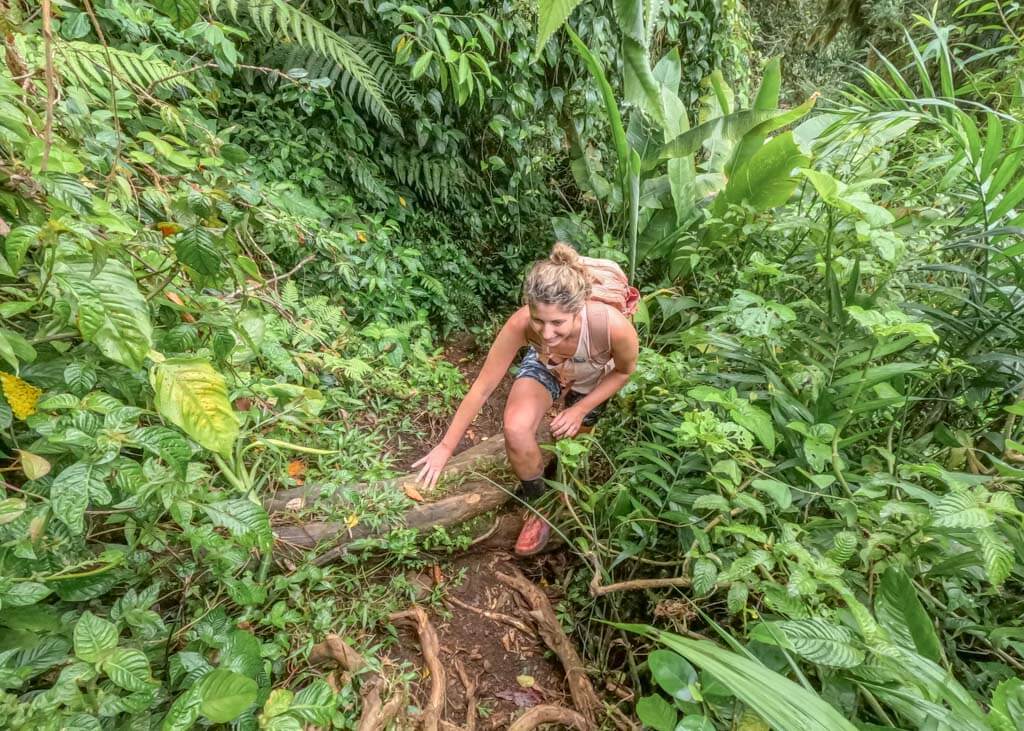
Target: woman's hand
(567,423)
(432,463)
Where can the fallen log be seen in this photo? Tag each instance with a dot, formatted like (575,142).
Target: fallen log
(487,455)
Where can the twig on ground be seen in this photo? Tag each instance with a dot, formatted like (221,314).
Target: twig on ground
(543,615)
(431,716)
(539,715)
(494,616)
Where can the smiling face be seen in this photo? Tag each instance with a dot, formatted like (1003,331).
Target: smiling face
(552,323)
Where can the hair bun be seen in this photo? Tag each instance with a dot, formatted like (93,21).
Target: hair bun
(564,255)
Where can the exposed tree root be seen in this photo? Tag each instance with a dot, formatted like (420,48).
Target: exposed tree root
(470,686)
(539,715)
(431,717)
(493,616)
(375,715)
(335,648)
(541,612)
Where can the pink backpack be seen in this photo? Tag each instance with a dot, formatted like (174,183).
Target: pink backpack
(610,285)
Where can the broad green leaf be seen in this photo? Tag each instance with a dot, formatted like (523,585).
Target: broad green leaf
(184,712)
(314,703)
(24,594)
(17,244)
(112,313)
(837,194)
(551,14)
(997,555)
(94,637)
(960,509)
(192,395)
(779,701)
(225,694)
(128,669)
(195,248)
(279,701)
(898,608)
(656,713)
(242,517)
(816,640)
(673,673)
(182,13)
(711,501)
(70,493)
(765,180)
(757,421)
(780,492)
(705,574)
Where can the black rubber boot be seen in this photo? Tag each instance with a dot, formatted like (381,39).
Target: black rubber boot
(530,490)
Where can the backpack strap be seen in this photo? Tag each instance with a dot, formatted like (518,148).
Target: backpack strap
(598,326)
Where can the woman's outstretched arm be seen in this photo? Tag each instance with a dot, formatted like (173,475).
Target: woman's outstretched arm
(499,358)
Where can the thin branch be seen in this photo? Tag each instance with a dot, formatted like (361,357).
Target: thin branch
(51,85)
(273,280)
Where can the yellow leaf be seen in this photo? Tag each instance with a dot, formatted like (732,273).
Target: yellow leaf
(352,520)
(411,492)
(525,681)
(33,465)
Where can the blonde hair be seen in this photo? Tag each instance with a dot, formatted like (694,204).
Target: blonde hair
(561,279)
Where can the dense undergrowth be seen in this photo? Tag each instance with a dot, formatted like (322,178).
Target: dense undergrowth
(235,235)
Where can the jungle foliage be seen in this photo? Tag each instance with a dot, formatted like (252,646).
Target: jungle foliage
(236,233)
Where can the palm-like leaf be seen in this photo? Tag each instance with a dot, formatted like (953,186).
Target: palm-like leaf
(279,21)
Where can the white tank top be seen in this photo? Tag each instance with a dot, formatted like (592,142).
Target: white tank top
(581,373)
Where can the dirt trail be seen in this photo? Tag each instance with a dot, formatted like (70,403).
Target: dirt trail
(491,653)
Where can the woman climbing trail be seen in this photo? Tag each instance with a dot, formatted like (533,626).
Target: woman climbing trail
(581,346)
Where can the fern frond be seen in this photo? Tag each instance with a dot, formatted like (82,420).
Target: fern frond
(277,20)
(86,63)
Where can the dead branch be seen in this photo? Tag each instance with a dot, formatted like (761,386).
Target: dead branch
(416,616)
(273,280)
(493,616)
(597,589)
(539,715)
(336,649)
(541,612)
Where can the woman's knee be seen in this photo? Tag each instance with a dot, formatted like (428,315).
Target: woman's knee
(520,434)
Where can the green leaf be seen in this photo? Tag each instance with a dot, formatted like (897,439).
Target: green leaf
(758,422)
(420,67)
(656,713)
(70,492)
(736,599)
(898,608)
(766,180)
(17,244)
(24,594)
(551,14)
(192,395)
(182,13)
(128,669)
(112,313)
(184,712)
(780,492)
(94,637)
(314,703)
(705,574)
(998,556)
(816,640)
(1007,707)
(673,673)
(225,695)
(837,194)
(960,509)
(779,701)
(242,517)
(279,701)
(711,501)
(195,248)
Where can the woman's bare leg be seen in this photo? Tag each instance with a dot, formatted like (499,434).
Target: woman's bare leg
(527,403)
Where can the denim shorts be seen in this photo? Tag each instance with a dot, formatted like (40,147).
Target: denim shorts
(531,367)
